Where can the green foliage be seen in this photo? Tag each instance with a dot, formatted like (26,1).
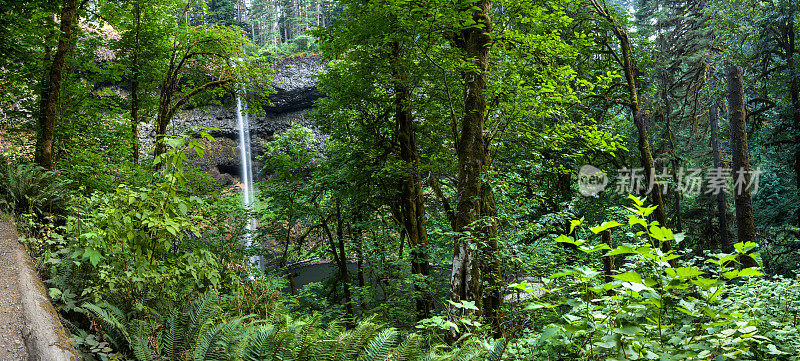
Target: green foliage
(305,43)
(141,241)
(201,331)
(193,333)
(137,240)
(651,309)
(774,304)
(29,188)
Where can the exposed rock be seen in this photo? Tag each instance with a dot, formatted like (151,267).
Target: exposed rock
(223,179)
(295,83)
(295,92)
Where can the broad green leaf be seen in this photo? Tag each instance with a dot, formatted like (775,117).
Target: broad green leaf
(621,250)
(629,277)
(572,224)
(596,248)
(638,201)
(469,305)
(636,287)
(731,274)
(634,219)
(605,226)
(688,272)
(657,233)
(749,272)
(564,239)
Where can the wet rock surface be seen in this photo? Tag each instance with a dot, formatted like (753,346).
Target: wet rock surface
(295,84)
(12,345)
(294,94)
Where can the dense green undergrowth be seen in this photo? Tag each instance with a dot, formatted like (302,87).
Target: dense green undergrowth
(143,271)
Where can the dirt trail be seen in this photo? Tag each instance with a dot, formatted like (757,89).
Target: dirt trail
(12,345)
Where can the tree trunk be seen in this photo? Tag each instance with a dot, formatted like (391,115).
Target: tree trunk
(794,90)
(44,91)
(437,190)
(137,15)
(162,120)
(666,83)
(640,118)
(491,276)
(292,283)
(412,201)
(472,153)
(357,234)
(741,160)
(49,105)
(608,262)
(341,261)
(722,207)
(341,264)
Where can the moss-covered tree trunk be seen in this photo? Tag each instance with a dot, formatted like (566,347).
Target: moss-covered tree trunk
(722,206)
(745,226)
(52,94)
(640,118)
(473,196)
(412,200)
(137,21)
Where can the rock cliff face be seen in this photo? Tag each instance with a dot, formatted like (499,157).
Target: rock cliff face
(295,92)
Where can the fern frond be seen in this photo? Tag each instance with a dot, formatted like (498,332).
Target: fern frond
(174,335)
(202,314)
(114,322)
(306,339)
(409,349)
(259,344)
(379,347)
(497,352)
(219,341)
(355,341)
(205,308)
(141,332)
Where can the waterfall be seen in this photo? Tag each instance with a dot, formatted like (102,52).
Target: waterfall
(243,122)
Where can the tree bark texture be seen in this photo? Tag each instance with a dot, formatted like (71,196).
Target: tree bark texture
(745,226)
(49,105)
(477,240)
(722,206)
(640,118)
(412,202)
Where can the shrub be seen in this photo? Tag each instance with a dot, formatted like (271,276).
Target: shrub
(135,242)
(305,43)
(774,304)
(27,188)
(651,309)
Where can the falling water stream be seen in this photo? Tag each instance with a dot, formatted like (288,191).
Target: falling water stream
(243,122)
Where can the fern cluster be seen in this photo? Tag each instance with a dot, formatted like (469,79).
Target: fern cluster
(201,333)
(29,188)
